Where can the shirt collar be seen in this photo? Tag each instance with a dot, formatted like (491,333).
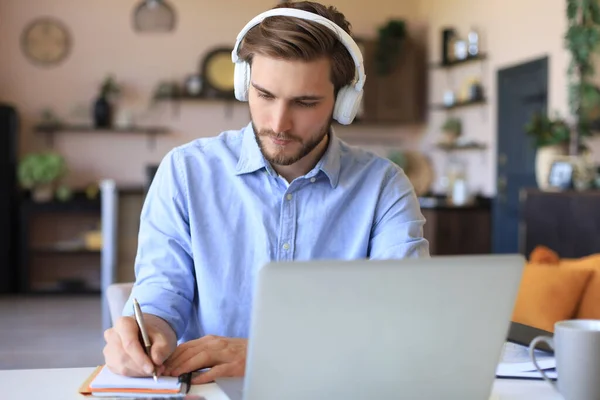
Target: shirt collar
(251,158)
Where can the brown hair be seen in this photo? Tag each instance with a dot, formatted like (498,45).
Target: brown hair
(299,39)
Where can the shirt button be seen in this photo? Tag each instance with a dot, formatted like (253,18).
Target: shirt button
(286,246)
(313,180)
(289,196)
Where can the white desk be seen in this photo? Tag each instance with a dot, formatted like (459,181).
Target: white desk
(63,384)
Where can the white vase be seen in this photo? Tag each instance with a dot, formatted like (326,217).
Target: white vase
(544,158)
(42,193)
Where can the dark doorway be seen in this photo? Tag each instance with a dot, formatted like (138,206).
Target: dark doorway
(522,91)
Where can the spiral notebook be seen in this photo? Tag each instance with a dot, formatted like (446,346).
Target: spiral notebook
(104,383)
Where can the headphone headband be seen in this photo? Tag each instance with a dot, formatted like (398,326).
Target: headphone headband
(342,36)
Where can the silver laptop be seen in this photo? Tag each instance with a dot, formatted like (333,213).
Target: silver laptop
(413,329)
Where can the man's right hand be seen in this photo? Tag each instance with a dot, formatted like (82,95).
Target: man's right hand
(124,354)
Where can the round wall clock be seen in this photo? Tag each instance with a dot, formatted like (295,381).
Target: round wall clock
(46,41)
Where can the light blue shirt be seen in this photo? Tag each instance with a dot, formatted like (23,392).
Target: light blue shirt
(217,211)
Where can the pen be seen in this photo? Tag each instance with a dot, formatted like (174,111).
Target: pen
(139,317)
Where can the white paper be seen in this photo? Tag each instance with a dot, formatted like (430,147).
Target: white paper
(106,379)
(515,361)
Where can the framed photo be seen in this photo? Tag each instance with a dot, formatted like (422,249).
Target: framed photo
(561,174)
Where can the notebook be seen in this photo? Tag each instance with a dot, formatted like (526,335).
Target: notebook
(104,383)
(516,363)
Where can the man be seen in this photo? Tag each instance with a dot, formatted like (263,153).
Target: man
(282,188)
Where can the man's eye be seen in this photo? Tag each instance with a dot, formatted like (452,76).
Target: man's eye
(264,96)
(305,104)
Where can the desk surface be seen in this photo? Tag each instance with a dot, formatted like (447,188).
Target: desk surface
(63,384)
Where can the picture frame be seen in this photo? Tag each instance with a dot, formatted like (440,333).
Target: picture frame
(561,174)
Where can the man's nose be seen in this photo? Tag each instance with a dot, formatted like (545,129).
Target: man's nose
(281,120)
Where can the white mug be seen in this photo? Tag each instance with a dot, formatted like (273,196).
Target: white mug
(576,345)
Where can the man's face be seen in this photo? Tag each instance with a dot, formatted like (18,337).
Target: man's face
(291,104)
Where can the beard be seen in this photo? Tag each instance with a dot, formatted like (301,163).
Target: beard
(292,152)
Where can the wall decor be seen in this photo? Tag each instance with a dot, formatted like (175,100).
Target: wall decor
(46,41)
(217,72)
(154,16)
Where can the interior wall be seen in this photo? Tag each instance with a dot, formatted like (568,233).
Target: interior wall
(511,32)
(104,43)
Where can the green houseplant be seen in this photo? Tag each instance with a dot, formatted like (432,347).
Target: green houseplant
(39,172)
(389,43)
(452,129)
(582,40)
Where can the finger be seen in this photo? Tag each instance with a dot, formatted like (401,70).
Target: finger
(187,350)
(218,371)
(197,360)
(116,358)
(160,350)
(129,334)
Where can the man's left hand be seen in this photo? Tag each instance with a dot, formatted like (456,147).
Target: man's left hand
(226,357)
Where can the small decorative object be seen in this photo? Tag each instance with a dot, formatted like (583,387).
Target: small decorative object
(64,193)
(449,98)
(46,42)
(452,129)
(124,119)
(166,90)
(217,71)
(193,85)
(473,43)
(103,107)
(38,172)
(91,191)
(154,16)
(475,91)
(460,49)
(49,119)
(448,35)
(561,175)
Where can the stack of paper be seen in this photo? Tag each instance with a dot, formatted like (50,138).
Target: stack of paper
(104,383)
(516,363)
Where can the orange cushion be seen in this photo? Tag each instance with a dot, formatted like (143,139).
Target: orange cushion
(548,294)
(589,307)
(543,255)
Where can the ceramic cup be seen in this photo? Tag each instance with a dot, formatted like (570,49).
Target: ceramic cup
(576,345)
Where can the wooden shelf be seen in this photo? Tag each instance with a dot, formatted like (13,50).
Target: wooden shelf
(458,147)
(479,57)
(56,250)
(200,97)
(150,131)
(460,104)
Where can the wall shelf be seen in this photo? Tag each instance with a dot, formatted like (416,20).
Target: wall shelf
(460,104)
(459,147)
(150,131)
(479,57)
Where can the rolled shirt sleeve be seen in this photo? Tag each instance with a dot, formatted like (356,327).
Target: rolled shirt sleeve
(398,228)
(164,271)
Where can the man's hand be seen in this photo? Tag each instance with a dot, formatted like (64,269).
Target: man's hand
(124,354)
(225,357)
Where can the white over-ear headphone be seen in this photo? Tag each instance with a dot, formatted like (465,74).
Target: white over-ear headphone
(349,97)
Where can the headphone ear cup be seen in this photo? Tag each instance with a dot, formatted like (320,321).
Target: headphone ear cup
(347,105)
(241,80)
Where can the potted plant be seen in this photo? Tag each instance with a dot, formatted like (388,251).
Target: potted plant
(550,136)
(103,105)
(389,44)
(38,172)
(452,129)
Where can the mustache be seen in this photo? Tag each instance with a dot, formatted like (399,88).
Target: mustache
(279,136)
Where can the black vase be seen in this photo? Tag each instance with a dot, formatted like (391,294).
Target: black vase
(102,113)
